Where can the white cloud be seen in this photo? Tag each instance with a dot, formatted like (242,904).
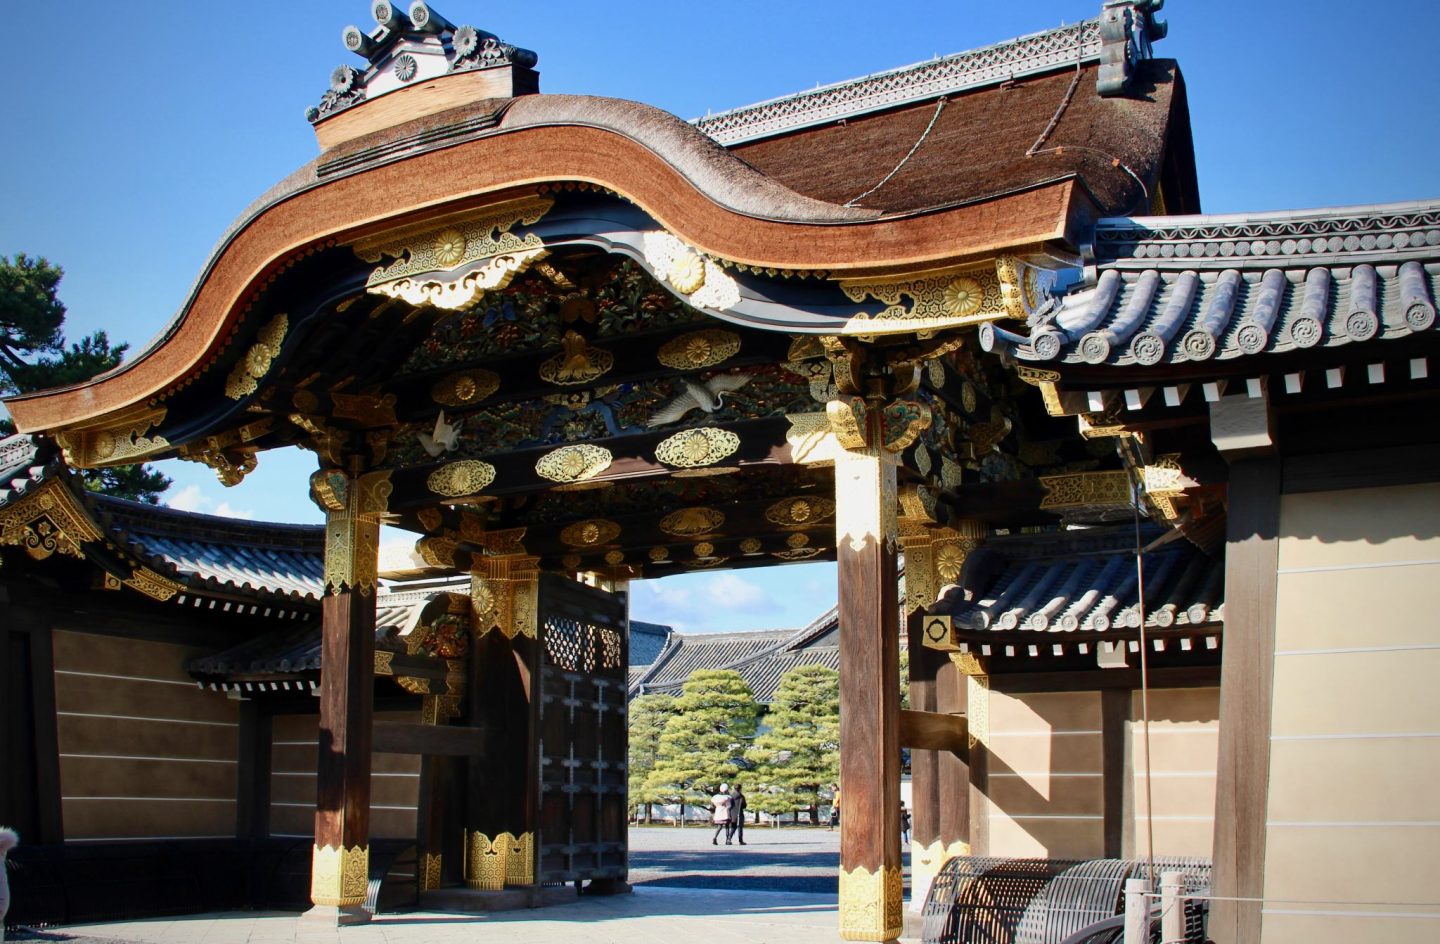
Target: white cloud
(737,593)
(192,498)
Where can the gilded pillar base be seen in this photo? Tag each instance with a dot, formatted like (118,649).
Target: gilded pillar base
(339,877)
(872,904)
(492,864)
(926,863)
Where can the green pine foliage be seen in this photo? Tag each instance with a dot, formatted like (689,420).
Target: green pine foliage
(648,716)
(33,356)
(800,753)
(704,743)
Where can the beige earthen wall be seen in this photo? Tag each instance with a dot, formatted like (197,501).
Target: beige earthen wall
(144,753)
(1353,824)
(1046,796)
(394,780)
(1184,742)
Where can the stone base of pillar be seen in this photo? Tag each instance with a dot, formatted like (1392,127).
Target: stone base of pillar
(336,915)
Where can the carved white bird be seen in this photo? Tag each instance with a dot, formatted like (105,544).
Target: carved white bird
(445,438)
(709,396)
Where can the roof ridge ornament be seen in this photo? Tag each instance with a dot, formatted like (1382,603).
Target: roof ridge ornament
(1128,28)
(405,48)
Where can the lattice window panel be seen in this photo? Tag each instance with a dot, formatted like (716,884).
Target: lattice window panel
(576,647)
(611,646)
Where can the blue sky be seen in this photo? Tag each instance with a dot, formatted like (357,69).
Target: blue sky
(135,134)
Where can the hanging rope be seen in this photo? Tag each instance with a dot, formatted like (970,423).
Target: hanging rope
(1144,683)
(939,107)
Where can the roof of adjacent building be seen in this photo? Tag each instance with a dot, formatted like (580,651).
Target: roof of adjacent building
(647,641)
(1186,290)
(264,562)
(1059,585)
(760,656)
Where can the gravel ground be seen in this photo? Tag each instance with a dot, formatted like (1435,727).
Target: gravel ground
(803,860)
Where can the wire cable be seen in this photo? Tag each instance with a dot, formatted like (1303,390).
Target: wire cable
(939,107)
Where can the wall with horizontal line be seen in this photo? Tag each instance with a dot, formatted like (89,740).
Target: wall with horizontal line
(1184,742)
(144,753)
(394,780)
(1353,824)
(1046,791)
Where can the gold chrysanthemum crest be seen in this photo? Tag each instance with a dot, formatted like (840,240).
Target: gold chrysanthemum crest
(589,533)
(697,447)
(574,463)
(800,512)
(699,349)
(244,379)
(465,387)
(692,522)
(461,478)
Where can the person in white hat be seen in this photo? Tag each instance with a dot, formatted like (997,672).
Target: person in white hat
(721,817)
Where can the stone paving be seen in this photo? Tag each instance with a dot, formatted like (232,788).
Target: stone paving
(779,887)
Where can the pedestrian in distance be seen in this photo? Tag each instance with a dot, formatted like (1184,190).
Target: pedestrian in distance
(737,815)
(721,817)
(904,823)
(835,806)
(9,839)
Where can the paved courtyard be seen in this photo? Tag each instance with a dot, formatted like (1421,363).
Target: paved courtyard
(779,887)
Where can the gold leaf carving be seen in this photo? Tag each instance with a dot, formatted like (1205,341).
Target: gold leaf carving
(574,463)
(45,521)
(811,440)
(935,302)
(871,904)
(697,447)
(152,584)
(339,876)
(458,479)
(425,248)
(798,553)
(458,293)
(615,558)
(659,554)
(577,363)
(494,863)
(692,522)
(465,387)
(1085,489)
(750,546)
(699,349)
(244,378)
(704,283)
(590,533)
(800,512)
(1045,380)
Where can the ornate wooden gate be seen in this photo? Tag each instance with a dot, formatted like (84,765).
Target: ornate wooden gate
(582,729)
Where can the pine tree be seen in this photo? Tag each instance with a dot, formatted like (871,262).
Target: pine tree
(33,356)
(704,743)
(801,751)
(648,715)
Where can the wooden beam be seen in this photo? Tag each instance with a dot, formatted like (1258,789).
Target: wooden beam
(1114,716)
(933,731)
(399,737)
(871,906)
(1246,677)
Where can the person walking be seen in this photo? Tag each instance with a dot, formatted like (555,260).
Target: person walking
(721,817)
(904,823)
(737,815)
(835,806)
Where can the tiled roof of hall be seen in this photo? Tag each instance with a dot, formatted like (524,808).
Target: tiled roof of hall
(1185,290)
(209,556)
(1070,586)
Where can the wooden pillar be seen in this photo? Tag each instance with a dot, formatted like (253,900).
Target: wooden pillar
(340,866)
(969,685)
(1114,722)
(503,785)
(871,885)
(1242,429)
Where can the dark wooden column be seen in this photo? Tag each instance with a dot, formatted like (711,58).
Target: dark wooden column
(1114,719)
(951,770)
(1242,429)
(30,780)
(340,866)
(871,886)
(503,787)
(926,847)
(252,786)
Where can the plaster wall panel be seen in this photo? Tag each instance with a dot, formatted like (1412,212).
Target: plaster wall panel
(1183,742)
(1056,837)
(1355,609)
(144,753)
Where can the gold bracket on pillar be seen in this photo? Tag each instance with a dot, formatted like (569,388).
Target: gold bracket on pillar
(872,904)
(934,555)
(353,508)
(339,877)
(504,595)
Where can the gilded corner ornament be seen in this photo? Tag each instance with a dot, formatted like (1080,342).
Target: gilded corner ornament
(255,363)
(47,521)
(123,442)
(352,527)
(699,280)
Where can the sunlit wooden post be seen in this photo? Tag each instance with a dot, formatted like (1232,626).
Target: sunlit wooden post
(340,865)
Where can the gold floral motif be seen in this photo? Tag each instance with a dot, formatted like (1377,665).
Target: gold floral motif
(574,463)
(658,554)
(590,533)
(935,302)
(244,379)
(798,540)
(577,363)
(614,558)
(750,546)
(935,371)
(697,447)
(424,248)
(699,349)
(923,461)
(47,521)
(458,293)
(692,522)
(968,397)
(1010,272)
(963,296)
(704,549)
(352,531)
(339,876)
(1085,489)
(800,512)
(152,584)
(465,387)
(449,246)
(804,347)
(437,551)
(704,283)
(798,553)
(383,660)
(458,479)
(122,443)
(871,904)
(571,561)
